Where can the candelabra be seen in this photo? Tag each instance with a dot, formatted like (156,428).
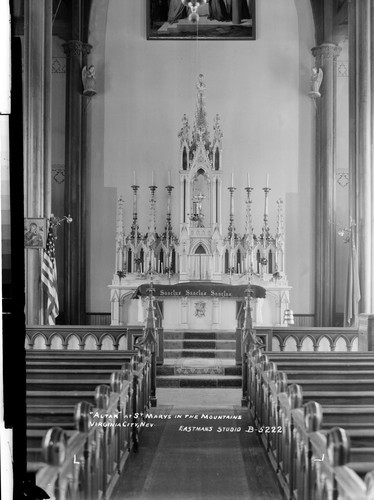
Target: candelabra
(57,221)
(151,236)
(249,230)
(168,229)
(120,238)
(265,229)
(134,234)
(231,228)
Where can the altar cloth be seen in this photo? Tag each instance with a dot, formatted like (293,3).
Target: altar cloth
(200,289)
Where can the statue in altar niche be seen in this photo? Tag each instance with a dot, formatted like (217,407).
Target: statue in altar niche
(197,209)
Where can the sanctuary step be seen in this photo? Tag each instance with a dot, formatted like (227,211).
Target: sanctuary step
(199,345)
(199,359)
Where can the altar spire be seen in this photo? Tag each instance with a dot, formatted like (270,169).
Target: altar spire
(200,130)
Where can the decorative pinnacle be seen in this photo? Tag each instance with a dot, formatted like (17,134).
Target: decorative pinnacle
(200,126)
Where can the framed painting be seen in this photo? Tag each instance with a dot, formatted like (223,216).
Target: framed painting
(202,19)
(34,233)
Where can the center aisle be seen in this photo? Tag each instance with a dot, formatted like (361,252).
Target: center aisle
(187,455)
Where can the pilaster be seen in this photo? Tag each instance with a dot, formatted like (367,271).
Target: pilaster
(75,183)
(326,55)
(37,151)
(361,141)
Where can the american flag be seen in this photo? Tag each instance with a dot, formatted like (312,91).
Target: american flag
(49,277)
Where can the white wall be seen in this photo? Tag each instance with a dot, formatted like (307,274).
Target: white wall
(259,88)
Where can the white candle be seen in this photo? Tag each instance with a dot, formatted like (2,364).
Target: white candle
(267,180)
(169,179)
(153,178)
(134,179)
(232,179)
(248,180)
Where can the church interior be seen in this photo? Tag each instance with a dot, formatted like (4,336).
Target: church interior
(187,221)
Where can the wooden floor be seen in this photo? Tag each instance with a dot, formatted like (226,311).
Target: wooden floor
(188,456)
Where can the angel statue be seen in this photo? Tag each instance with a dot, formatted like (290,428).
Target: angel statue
(316,80)
(89,81)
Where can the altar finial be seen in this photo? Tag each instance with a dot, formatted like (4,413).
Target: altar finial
(200,84)
(200,131)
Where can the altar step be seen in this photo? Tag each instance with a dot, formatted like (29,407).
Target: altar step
(199,359)
(199,372)
(199,345)
(194,381)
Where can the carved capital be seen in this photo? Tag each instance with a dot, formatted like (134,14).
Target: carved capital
(326,51)
(76,48)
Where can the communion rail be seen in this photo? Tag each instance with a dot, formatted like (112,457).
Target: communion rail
(311,463)
(87,337)
(302,339)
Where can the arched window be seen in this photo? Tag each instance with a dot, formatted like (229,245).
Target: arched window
(141,256)
(129,261)
(258,259)
(227,261)
(184,160)
(161,260)
(238,261)
(173,260)
(270,262)
(216,159)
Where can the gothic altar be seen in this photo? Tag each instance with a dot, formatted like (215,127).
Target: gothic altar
(201,270)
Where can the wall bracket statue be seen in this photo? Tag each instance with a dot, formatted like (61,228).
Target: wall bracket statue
(316,80)
(89,81)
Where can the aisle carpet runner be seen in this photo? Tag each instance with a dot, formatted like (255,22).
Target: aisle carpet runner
(196,453)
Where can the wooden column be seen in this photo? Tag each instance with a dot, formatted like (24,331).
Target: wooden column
(352,50)
(363,155)
(37,151)
(361,50)
(75,179)
(325,55)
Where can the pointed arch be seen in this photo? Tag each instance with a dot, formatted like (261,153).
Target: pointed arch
(56,342)
(200,250)
(184,159)
(216,159)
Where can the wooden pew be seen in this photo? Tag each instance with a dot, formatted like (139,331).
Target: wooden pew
(274,404)
(328,373)
(48,404)
(90,458)
(72,362)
